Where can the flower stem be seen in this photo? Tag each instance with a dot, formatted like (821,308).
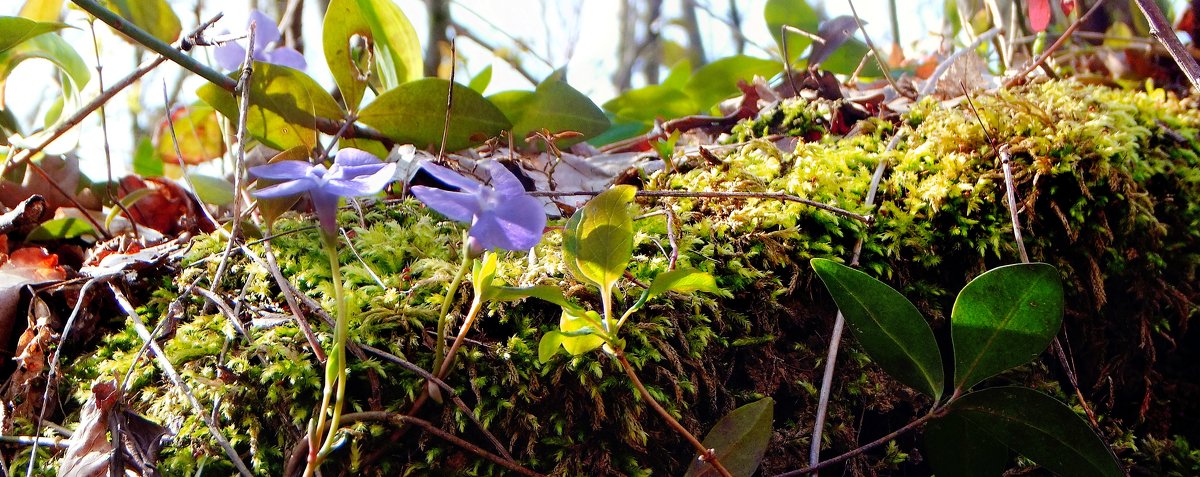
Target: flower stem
(707,455)
(444,369)
(335,368)
(444,316)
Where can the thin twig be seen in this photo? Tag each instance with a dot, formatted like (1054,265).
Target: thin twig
(290,297)
(887,72)
(1161,29)
(167,368)
(839,322)
(866,219)
(108,187)
(449,101)
(1057,44)
(865,447)
(187,178)
(240,160)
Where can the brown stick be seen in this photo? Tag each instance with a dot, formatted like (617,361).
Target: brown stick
(1057,44)
(1161,29)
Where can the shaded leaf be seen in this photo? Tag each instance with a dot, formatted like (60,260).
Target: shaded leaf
(796,14)
(145,161)
(598,239)
(890,329)
(958,448)
(212,190)
(1040,428)
(284,106)
(548,345)
(343,21)
(198,132)
(61,229)
(1004,318)
(416,113)
(652,102)
(740,440)
(480,82)
(718,80)
(152,16)
(685,280)
(14,30)
(398,51)
(575,331)
(845,60)
(558,107)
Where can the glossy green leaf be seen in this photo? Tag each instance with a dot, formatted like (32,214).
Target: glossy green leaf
(652,102)
(846,58)
(620,132)
(956,447)
(212,190)
(198,132)
(1040,428)
(549,344)
(153,16)
(548,293)
(718,80)
(398,51)
(598,239)
(15,30)
(558,107)
(480,82)
(272,208)
(1004,318)
(685,280)
(740,439)
(285,105)
(575,331)
(61,229)
(76,76)
(796,14)
(350,68)
(890,329)
(416,113)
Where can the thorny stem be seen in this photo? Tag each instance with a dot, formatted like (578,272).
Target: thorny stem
(866,219)
(707,455)
(335,368)
(444,316)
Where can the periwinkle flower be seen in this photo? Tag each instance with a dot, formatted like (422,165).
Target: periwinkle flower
(501,215)
(354,173)
(266,48)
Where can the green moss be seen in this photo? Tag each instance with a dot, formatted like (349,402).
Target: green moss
(1107,196)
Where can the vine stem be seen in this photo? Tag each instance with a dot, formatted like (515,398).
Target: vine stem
(444,316)
(707,455)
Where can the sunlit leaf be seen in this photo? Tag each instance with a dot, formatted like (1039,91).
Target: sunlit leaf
(42,10)
(212,190)
(1040,428)
(415,113)
(1003,319)
(558,107)
(480,82)
(398,58)
(549,293)
(152,16)
(598,239)
(740,440)
(14,30)
(76,75)
(652,102)
(796,14)
(685,280)
(574,331)
(343,21)
(890,329)
(284,106)
(718,80)
(198,132)
(61,229)
(679,75)
(549,344)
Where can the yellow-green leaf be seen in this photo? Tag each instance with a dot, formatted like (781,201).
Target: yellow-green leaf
(398,51)
(415,113)
(284,106)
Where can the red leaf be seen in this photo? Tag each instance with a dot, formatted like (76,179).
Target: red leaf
(1039,14)
(1067,6)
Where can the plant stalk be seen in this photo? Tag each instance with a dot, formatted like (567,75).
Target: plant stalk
(335,368)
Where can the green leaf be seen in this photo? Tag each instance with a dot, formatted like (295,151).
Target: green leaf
(153,16)
(598,239)
(718,80)
(284,106)
(652,102)
(272,208)
(61,229)
(685,280)
(796,14)
(212,190)
(58,51)
(398,51)
(126,203)
(15,30)
(145,161)
(740,440)
(1003,319)
(847,57)
(351,72)
(957,448)
(416,113)
(620,132)
(547,293)
(198,131)
(548,345)
(890,329)
(42,10)
(1040,428)
(575,331)
(481,81)
(679,74)
(558,107)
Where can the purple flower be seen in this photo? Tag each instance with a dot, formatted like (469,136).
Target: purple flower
(230,55)
(354,173)
(501,216)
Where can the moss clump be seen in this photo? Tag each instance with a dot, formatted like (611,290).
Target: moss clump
(1109,195)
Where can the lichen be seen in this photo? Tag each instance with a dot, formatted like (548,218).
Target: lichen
(1107,195)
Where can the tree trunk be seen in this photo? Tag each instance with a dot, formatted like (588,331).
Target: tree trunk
(650,44)
(439,24)
(695,40)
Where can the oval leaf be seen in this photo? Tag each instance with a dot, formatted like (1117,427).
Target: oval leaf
(652,102)
(796,14)
(198,132)
(740,440)
(397,49)
(1040,428)
(598,239)
(285,105)
(574,331)
(718,80)
(416,113)
(1003,319)
(152,16)
(890,329)
(685,280)
(15,30)
(212,190)
(958,448)
(558,107)
(343,21)
(61,229)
